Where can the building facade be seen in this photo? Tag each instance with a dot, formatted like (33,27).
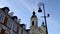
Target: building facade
(9,24)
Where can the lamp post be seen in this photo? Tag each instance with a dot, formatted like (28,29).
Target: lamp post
(40,10)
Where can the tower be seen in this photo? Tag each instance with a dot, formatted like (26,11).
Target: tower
(34,20)
(34,29)
(34,24)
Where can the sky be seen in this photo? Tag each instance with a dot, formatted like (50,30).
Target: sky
(23,10)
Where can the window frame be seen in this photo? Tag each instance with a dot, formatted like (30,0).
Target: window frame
(21,31)
(9,23)
(15,27)
(2,18)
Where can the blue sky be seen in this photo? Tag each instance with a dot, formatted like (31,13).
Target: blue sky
(24,8)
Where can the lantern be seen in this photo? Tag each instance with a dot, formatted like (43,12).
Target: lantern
(39,10)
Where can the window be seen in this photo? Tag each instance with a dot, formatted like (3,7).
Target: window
(6,11)
(21,31)
(9,23)
(0,29)
(14,27)
(1,17)
(32,22)
(6,32)
(13,33)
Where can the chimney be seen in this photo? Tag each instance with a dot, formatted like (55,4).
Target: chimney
(11,14)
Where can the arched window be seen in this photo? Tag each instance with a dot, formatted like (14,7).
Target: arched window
(32,22)
(1,17)
(15,27)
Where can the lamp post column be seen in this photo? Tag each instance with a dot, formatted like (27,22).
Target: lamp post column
(40,10)
(45,19)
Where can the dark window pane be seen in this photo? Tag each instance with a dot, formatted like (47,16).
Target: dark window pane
(14,27)
(21,31)
(1,18)
(9,23)
(32,22)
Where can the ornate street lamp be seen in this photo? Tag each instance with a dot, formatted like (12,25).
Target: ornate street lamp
(40,10)
(39,5)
